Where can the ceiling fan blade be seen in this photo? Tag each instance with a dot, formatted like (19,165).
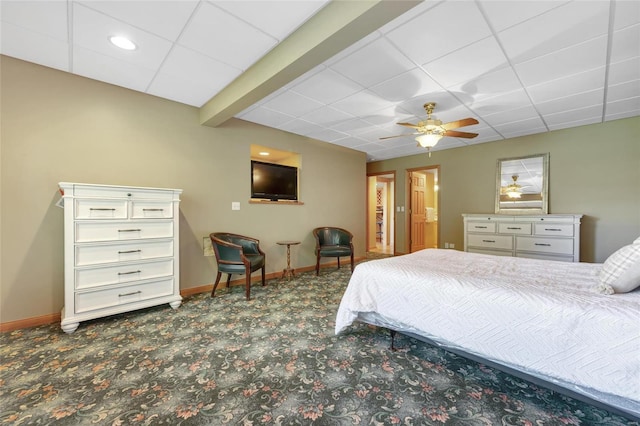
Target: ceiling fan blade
(460,123)
(456,134)
(399,136)
(413,126)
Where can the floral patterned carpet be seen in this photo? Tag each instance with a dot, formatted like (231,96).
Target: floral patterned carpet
(271,361)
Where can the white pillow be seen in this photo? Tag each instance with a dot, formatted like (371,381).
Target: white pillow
(621,271)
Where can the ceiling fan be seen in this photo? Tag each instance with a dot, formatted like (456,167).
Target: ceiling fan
(431,130)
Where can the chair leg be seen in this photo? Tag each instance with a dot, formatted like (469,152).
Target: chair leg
(351,261)
(317,265)
(338,262)
(213,292)
(263,281)
(248,285)
(228,280)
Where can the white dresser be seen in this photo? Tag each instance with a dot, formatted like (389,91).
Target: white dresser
(121,250)
(550,237)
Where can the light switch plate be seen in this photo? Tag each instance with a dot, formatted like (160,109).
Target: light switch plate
(235,205)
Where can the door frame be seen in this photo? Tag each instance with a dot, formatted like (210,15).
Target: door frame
(392,238)
(409,209)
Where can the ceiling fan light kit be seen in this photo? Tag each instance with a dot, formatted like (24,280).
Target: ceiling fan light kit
(431,130)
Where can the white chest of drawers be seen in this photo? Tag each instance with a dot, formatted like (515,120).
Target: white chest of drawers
(121,250)
(550,237)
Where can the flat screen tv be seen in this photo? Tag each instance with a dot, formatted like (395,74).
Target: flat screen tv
(273,181)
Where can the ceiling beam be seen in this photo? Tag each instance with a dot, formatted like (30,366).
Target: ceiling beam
(334,28)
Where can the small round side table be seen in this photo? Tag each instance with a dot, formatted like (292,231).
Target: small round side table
(288,272)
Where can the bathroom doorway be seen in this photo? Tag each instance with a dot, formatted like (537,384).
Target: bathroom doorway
(423,191)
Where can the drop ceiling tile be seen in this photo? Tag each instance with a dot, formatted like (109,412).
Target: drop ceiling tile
(176,88)
(215,33)
(350,142)
(190,77)
(373,64)
(522,128)
(387,116)
(91,30)
(276,18)
(408,16)
(485,55)
(300,127)
(444,101)
(210,74)
(27,45)
(511,116)
(505,14)
(592,97)
(327,135)
(622,91)
(570,124)
(567,86)
(593,112)
(433,34)
(572,60)
(46,18)
(267,117)
(162,18)
(111,70)
(361,104)
(624,108)
(626,44)
(506,102)
(327,116)
(486,86)
(352,49)
(626,13)
(293,104)
(327,86)
(406,85)
(621,72)
(354,126)
(559,28)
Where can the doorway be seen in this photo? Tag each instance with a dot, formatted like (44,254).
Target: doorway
(380,212)
(423,196)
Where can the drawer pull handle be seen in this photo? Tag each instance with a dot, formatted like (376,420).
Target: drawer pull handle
(129,294)
(552,229)
(543,244)
(129,230)
(130,251)
(480,227)
(488,241)
(514,228)
(102,209)
(129,273)
(152,210)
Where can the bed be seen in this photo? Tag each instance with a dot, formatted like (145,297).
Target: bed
(543,320)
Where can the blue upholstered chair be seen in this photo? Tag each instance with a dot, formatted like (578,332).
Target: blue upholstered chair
(237,254)
(333,242)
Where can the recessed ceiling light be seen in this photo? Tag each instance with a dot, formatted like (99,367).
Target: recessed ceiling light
(122,42)
(264,153)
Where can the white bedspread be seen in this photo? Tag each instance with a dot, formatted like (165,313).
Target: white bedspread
(542,317)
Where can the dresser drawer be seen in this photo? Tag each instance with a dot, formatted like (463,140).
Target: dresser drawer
(559,229)
(117,231)
(93,300)
(489,227)
(122,252)
(132,193)
(96,277)
(150,209)
(101,209)
(491,241)
(514,228)
(545,245)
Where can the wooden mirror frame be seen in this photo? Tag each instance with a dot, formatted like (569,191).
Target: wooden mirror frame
(533,172)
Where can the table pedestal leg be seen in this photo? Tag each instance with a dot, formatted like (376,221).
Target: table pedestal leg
(288,272)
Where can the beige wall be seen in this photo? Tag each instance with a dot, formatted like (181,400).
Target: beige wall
(59,127)
(594,170)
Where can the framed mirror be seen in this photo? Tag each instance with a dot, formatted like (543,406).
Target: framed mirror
(522,184)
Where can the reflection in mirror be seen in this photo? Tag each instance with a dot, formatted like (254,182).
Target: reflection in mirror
(521,184)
